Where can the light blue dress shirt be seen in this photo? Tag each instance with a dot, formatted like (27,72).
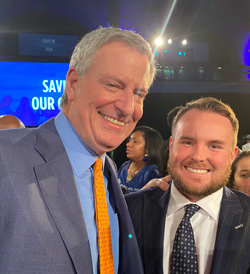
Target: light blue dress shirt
(82,158)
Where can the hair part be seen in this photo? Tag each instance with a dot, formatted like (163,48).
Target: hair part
(85,51)
(153,142)
(210,104)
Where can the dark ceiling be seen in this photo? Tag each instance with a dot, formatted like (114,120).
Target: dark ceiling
(224,24)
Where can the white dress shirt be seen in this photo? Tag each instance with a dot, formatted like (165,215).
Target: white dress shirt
(204,223)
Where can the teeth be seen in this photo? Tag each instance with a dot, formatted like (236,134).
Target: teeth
(112,120)
(200,171)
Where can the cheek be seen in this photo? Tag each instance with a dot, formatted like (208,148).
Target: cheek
(220,161)
(138,112)
(179,154)
(241,182)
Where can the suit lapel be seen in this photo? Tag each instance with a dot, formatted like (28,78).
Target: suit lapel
(129,256)
(154,212)
(57,184)
(230,234)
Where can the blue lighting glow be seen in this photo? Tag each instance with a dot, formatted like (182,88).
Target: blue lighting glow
(247,56)
(156,53)
(184,53)
(166,50)
(180,53)
(130,236)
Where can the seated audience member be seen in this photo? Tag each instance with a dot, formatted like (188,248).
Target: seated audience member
(143,152)
(10,121)
(198,225)
(246,146)
(247,138)
(240,173)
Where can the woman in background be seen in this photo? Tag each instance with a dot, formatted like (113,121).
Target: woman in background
(240,174)
(143,152)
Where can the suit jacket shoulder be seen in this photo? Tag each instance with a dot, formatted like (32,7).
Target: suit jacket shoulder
(232,246)
(42,225)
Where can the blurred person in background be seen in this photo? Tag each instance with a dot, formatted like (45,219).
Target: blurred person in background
(143,152)
(240,173)
(246,146)
(164,155)
(10,121)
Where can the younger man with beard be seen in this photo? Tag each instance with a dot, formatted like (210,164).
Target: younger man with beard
(202,148)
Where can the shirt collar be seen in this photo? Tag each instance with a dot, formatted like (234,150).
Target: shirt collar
(80,155)
(210,204)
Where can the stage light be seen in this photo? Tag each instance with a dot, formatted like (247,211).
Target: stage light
(184,42)
(180,53)
(165,50)
(158,41)
(156,53)
(169,41)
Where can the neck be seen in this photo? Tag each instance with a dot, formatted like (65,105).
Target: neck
(137,165)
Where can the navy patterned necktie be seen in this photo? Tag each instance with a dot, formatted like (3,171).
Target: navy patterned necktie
(184,257)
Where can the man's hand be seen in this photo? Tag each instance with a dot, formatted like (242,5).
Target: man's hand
(160,182)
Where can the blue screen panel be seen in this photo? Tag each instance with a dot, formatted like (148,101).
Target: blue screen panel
(46,44)
(31,91)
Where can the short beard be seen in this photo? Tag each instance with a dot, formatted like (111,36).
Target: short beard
(186,190)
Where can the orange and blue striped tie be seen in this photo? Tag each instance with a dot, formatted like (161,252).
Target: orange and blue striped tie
(102,221)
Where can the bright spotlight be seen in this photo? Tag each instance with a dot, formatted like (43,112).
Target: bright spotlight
(158,41)
(184,42)
(169,41)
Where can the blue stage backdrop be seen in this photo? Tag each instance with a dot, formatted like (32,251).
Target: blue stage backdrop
(31,91)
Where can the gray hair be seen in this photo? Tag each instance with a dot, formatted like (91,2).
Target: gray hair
(85,51)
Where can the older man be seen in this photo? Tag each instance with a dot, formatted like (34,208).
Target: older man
(198,225)
(52,220)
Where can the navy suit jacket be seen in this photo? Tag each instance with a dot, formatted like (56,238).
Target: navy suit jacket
(148,210)
(42,228)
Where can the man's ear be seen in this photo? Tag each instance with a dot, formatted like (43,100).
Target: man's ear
(72,82)
(234,153)
(170,143)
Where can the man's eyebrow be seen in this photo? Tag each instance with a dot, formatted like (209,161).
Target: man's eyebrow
(210,141)
(105,77)
(217,141)
(186,138)
(123,83)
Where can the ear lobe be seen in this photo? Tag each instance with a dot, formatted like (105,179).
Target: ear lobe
(72,83)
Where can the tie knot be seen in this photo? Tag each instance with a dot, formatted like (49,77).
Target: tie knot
(97,165)
(190,210)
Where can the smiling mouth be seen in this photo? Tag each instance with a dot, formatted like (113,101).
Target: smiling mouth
(197,170)
(112,120)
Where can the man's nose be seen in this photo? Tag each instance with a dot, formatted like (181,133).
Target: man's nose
(199,153)
(126,102)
